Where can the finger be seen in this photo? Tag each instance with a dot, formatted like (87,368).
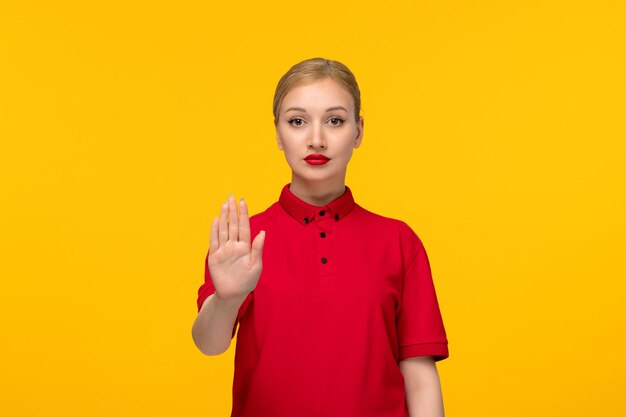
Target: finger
(244,222)
(223,224)
(214,244)
(233,222)
(257,248)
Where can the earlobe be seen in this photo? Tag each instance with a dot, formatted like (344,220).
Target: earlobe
(279,142)
(359,135)
(357,141)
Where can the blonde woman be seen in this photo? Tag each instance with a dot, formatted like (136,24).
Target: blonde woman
(335,306)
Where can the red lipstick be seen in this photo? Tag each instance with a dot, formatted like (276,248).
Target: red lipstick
(316,159)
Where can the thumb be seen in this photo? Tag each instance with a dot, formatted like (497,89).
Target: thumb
(257,246)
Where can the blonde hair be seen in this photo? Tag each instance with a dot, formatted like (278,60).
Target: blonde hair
(315,69)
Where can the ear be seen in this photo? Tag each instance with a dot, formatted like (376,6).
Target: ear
(279,141)
(359,136)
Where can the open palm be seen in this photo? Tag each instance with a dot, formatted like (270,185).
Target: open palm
(234,264)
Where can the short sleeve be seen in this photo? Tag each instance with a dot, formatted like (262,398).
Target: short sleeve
(207,288)
(420,326)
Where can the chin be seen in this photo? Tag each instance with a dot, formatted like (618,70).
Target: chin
(314,178)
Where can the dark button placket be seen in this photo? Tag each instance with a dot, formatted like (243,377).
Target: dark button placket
(323,236)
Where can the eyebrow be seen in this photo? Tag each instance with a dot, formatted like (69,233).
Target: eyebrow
(328,109)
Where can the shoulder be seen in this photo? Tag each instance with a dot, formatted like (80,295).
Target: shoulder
(393,233)
(263,218)
(397,227)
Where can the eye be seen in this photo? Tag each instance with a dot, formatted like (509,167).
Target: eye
(296,119)
(336,121)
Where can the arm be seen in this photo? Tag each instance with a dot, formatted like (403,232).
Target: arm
(422,386)
(213,327)
(232,270)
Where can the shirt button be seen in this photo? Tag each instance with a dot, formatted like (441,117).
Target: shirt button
(324,260)
(322,234)
(322,213)
(336,216)
(306,219)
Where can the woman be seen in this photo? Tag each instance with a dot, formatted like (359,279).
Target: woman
(336,306)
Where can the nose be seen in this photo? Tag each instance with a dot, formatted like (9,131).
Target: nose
(316,138)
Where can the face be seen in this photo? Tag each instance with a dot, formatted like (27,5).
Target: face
(318,118)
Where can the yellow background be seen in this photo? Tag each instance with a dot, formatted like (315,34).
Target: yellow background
(494,128)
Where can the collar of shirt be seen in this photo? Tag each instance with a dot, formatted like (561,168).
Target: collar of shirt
(305,213)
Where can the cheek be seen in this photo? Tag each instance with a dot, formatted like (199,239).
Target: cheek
(290,148)
(292,140)
(347,147)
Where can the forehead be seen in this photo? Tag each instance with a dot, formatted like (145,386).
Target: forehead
(318,95)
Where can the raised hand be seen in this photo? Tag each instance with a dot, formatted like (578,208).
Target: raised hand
(234,264)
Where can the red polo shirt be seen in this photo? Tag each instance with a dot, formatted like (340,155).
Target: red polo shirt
(343,296)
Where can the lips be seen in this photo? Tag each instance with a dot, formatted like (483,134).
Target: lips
(317,157)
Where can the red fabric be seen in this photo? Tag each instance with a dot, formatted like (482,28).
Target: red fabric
(325,339)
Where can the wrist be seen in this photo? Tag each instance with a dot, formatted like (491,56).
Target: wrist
(234,301)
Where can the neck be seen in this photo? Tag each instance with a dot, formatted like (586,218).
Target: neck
(317,193)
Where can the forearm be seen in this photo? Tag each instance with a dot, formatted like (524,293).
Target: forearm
(425,402)
(213,327)
(423,388)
